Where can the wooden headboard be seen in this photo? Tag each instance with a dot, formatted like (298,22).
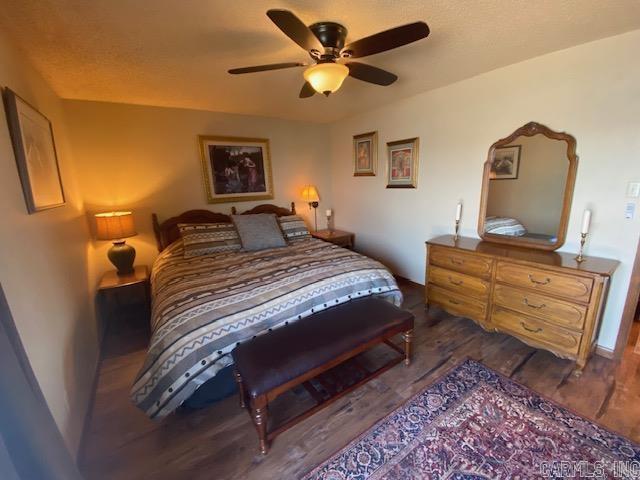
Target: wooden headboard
(268,208)
(168,232)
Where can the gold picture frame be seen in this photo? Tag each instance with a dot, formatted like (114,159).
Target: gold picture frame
(402,163)
(365,154)
(235,169)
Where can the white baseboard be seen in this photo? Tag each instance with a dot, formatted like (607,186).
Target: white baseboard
(604,352)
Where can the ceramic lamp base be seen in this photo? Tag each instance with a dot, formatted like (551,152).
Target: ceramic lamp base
(122,257)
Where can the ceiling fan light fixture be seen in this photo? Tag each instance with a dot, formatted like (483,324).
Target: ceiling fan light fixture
(327,77)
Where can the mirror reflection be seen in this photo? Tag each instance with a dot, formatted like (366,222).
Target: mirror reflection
(526,189)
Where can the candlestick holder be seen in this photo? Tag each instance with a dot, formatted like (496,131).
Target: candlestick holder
(583,239)
(455,236)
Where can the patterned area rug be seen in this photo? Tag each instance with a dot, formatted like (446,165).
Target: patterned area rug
(474,423)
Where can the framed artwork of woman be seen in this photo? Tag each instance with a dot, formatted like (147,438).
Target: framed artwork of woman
(236,169)
(365,154)
(402,163)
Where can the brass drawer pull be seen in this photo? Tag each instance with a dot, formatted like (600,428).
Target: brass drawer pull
(456,261)
(526,302)
(537,330)
(456,283)
(546,281)
(454,302)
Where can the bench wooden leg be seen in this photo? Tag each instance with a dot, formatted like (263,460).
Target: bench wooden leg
(408,338)
(241,392)
(259,412)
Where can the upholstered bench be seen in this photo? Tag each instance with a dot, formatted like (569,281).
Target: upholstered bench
(273,363)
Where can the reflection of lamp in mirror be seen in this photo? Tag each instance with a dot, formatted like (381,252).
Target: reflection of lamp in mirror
(458,217)
(586,221)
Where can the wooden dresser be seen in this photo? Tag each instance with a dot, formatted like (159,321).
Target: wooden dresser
(546,299)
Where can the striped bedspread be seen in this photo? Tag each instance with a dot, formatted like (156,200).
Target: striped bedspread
(504,226)
(203,306)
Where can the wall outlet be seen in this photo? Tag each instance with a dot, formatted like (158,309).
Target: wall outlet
(633,189)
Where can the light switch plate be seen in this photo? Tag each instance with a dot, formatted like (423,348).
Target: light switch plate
(633,189)
(629,210)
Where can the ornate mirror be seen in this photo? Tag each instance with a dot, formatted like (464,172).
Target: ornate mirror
(527,188)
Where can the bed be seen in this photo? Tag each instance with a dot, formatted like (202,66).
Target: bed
(514,228)
(203,307)
(504,226)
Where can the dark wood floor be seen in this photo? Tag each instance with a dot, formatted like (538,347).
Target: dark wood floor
(220,442)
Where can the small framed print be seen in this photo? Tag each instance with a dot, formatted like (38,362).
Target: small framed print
(236,169)
(35,152)
(365,154)
(506,163)
(402,163)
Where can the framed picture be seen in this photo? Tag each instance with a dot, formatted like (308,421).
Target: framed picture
(35,152)
(402,163)
(236,169)
(506,163)
(365,154)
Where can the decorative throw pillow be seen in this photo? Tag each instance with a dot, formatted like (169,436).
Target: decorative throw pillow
(293,227)
(207,238)
(258,231)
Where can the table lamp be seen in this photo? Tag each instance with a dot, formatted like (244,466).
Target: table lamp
(116,226)
(310,195)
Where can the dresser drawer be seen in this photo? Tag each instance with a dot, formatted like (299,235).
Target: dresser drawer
(558,339)
(558,312)
(459,282)
(457,304)
(574,288)
(461,262)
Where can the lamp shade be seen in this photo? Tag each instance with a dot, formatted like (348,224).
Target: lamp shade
(326,77)
(310,194)
(114,225)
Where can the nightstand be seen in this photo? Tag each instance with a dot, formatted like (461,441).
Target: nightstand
(124,301)
(337,237)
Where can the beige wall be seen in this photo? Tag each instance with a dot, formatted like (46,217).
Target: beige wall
(146,159)
(535,197)
(43,265)
(591,91)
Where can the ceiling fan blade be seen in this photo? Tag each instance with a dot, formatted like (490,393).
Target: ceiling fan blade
(370,74)
(264,68)
(307,91)
(293,28)
(387,40)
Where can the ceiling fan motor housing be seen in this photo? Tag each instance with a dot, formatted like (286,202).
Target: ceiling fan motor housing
(332,36)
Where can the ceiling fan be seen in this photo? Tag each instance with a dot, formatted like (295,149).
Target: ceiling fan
(325,42)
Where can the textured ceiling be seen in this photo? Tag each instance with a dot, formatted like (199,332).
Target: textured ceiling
(176,52)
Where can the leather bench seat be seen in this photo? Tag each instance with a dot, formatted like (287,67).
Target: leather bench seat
(275,358)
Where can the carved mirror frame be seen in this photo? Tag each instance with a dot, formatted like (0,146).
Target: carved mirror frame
(529,130)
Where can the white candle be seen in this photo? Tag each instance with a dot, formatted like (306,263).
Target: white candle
(586,221)
(458,212)
(329,212)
